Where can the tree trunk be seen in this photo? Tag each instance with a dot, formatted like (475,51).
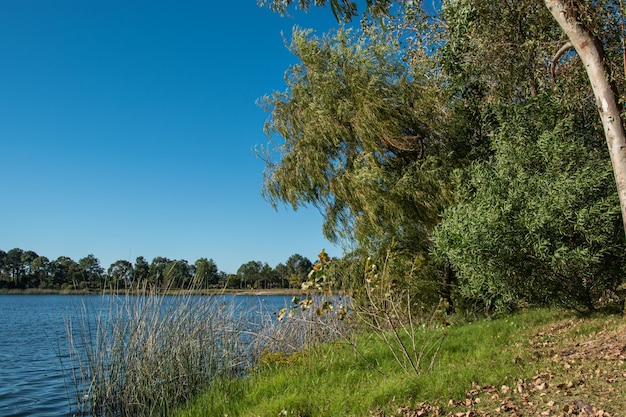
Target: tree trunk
(449,279)
(592,55)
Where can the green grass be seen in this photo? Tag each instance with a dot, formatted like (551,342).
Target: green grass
(331,380)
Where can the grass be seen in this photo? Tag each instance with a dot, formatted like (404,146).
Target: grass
(540,362)
(144,355)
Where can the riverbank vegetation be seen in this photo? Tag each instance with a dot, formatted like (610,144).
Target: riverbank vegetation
(142,353)
(533,363)
(472,154)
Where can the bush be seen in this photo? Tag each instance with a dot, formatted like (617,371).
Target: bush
(540,223)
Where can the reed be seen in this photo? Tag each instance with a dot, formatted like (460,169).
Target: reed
(144,354)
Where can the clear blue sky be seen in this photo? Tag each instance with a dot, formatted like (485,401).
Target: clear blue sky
(127,128)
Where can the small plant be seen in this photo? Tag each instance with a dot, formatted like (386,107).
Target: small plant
(388,312)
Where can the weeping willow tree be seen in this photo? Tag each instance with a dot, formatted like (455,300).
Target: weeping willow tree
(357,134)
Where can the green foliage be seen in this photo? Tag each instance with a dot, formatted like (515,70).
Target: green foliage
(256,274)
(343,10)
(206,273)
(357,136)
(540,223)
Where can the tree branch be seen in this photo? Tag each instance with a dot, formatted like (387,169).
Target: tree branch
(555,59)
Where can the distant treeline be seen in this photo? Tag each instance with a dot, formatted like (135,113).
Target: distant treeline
(26,269)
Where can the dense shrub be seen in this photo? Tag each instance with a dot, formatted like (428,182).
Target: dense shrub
(540,223)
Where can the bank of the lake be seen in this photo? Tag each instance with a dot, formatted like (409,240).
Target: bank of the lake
(537,363)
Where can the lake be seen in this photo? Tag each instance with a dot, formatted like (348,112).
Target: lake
(34,348)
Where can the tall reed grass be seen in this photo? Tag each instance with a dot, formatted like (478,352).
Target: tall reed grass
(145,354)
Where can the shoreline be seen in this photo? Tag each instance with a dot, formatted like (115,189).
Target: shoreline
(209,291)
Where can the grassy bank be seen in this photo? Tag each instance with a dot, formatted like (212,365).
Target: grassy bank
(534,363)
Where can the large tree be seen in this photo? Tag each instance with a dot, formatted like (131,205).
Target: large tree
(495,61)
(583,24)
(357,135)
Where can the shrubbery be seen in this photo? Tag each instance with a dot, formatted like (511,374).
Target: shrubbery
(539,223)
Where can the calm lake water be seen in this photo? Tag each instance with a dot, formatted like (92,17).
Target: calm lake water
(34,349)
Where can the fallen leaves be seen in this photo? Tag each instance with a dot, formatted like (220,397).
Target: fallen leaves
(578,374)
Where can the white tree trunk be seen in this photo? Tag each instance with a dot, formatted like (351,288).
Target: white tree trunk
(592,55)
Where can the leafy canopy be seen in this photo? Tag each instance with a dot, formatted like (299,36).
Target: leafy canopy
(357,133)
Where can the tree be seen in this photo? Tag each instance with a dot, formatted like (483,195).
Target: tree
(570,16)
(65,272)
(3,265)
(496,63)
(177,274)
(157,269)
(297,269)
(141,270)
(120,273)
(255,274)
(91,271)
(14,265)
(540,223)
(206,273)
(359,140)
(40,268)
(590,28)
(342,9)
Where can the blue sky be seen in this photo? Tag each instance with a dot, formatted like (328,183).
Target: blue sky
(127,128)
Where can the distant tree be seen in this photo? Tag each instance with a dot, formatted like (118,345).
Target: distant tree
(120,273)
(269,278)
(282,275)
(26,279)
(3,267)
(40,269)
(91,271)
(14,265)
(177,274)
(255,274)
(206,273)
(157,270)
(65,272)
(27,258)
(298,268)
(232,281)
(141,270)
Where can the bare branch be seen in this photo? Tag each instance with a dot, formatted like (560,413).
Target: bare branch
(555,59)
